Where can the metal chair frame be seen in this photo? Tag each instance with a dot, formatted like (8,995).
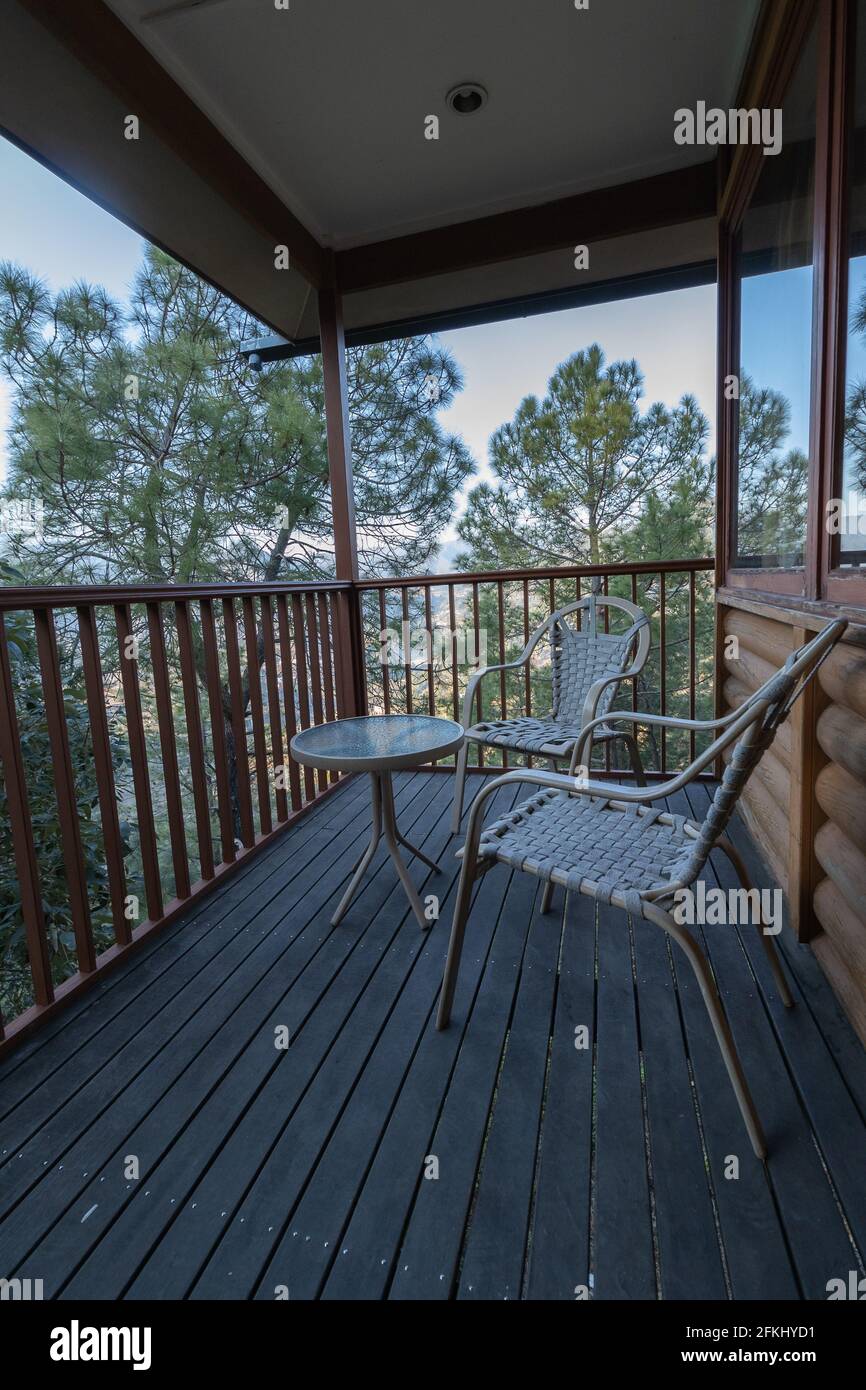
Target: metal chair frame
(750,728)
(637,639)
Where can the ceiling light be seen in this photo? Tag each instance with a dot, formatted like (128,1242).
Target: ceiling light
(468,98)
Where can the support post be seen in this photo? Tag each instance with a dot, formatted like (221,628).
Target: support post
(348,638)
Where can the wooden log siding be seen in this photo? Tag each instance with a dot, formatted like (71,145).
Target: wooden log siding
(171,657)
(842,798)
(840,843)
(806,804)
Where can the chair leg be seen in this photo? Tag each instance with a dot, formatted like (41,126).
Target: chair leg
(698,962)
(767,941)
(634,754)
(547,895)
(459,787)
(458,930)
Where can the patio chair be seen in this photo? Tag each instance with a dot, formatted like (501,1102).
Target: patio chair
(610,843)
(587,668)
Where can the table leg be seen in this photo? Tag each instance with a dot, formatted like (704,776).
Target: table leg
(392,837)
(364,862)
(413,849)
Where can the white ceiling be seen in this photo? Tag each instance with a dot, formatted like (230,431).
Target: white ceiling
(327,99)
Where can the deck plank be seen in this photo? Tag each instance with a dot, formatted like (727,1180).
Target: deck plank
(28,1098)
(288,995)
(426,1266)
(263,1217)
(172,1059)
(495,1246)
(623,1256)
(690,1260)
(814,1230)
(558,1264)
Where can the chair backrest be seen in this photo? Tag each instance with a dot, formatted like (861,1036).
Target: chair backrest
(581,656)
(751,734)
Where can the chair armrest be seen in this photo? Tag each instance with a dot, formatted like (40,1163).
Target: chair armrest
(640,717)
(475,680)
(613,791)
(580,786)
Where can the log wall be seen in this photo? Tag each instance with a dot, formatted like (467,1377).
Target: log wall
(806,803)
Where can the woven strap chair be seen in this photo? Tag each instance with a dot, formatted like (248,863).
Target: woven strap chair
(610,843)
(587,667)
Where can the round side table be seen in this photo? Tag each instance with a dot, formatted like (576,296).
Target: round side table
(379,744)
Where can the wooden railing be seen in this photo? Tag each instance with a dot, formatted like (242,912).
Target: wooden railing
(145,731)
(486,618)
(144,744)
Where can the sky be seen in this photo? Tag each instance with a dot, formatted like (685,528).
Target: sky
(671,335)
(62,236)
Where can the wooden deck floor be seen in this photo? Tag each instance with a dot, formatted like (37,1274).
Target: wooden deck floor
(609,1168)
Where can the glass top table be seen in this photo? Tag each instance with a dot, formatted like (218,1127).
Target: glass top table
(379,744)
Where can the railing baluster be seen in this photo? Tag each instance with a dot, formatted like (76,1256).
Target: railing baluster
(476,612)
(315,659)
(604,589)
(64,786)
(94,686)
(26,863)
(168,745)
(239,724)
(194,739)
(407,647)
(287,672)
(303,685)
(326,650)
(254,685)
(500,604)
(663,697)
(428,619)
(127,644)
(525,640)
(635,678)
(383,627)
(452,618)
(218,731)
(692,670)
(278,760)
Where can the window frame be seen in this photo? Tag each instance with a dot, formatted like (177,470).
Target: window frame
(779,43)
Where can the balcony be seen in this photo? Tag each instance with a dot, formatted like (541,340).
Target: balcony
(207,1089)
(232,1099)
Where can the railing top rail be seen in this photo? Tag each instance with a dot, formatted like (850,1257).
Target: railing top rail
(88,595)
(558,572)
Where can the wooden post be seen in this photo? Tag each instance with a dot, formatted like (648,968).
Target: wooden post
(348,638)
(804,814)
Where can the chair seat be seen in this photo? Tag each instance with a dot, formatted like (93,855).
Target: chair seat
(592,845)
(554,738)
